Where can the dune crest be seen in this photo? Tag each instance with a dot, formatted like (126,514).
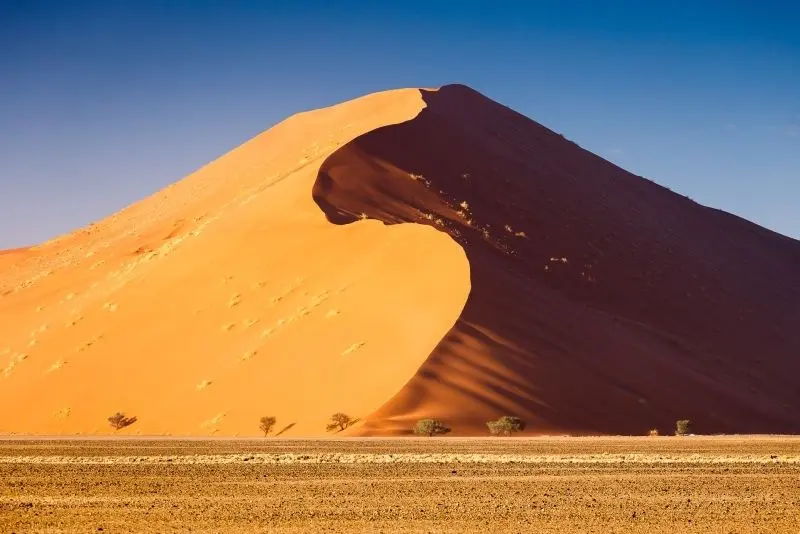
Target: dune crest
(409,254)
(601,302)
(226,297)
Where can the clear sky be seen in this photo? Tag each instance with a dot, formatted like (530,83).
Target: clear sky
(103,103)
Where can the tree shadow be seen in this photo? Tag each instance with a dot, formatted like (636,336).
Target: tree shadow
(286,428)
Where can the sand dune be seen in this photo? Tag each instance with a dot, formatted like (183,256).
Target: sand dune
(529,277)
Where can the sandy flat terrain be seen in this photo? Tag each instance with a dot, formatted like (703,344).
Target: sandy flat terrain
(693,484)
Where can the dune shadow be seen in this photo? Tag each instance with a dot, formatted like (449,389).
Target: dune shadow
(573,311)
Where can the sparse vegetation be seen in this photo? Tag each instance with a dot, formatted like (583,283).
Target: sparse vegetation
(118,421)
(266,424)
(683,427)
(420,178)
(511,231)
(430,428)
(339,422)
(434,219)
(506,425)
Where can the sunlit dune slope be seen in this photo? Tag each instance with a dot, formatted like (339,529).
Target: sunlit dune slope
(226,297)
(530,278)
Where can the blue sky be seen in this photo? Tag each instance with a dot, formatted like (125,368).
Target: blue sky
(103,103)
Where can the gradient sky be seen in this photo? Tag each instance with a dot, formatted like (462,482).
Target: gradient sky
(103,103)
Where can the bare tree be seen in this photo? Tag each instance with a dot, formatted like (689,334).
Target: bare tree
(340,421)
(266,423)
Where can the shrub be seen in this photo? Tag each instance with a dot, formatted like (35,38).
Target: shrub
(340,421)
(266,423)
(682,427)
(506,425)
(653,432)
(118,420)
(430,428)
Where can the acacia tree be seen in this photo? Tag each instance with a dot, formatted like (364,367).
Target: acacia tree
(339,421)
(506,425)
(118,420)
(266,423)
(682,427)
(430,428)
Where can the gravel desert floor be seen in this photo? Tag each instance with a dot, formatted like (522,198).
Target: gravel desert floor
(666,484)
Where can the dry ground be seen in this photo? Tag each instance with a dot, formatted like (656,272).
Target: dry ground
(668,484)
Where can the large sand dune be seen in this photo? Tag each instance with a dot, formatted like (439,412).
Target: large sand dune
(531,278)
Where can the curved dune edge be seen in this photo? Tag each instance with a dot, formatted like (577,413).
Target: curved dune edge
(228,296)
(600,302)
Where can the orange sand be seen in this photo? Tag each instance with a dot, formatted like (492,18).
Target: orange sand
(531,278)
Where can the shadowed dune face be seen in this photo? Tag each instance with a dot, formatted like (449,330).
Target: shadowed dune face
(600,301)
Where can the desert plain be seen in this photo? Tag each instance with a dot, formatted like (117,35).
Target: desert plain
(731,484)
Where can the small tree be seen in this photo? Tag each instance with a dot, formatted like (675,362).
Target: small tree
(340,421)
(506,425)
(118,420)
(430,428)
(266,423)
(682,427)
